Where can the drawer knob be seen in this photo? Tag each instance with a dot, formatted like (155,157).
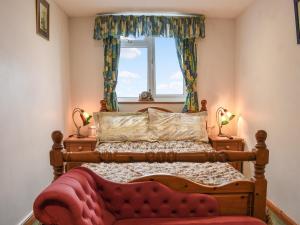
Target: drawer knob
(227,147)
(80,148)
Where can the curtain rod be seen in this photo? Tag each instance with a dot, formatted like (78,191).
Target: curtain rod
(148,14)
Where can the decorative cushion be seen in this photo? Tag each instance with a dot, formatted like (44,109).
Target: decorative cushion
(122,126)
(178,126)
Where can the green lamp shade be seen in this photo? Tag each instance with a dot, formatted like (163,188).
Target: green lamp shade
(85,118)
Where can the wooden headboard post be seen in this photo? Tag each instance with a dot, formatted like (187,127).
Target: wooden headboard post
(56,155)
(262,159)
(203,106)
(103,107)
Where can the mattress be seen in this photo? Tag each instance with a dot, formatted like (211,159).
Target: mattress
(212,174)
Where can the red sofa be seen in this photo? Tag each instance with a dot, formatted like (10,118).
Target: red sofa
(80,197)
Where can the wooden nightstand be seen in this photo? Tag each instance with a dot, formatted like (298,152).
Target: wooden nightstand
(223,143)
(74,144)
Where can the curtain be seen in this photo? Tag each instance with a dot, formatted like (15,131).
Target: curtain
(187,57)
(110,74)
(157,26)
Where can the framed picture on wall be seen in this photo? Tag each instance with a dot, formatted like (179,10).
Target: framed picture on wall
(42,18)
(297,11)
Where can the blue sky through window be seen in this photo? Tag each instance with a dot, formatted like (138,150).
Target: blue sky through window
(169,79)
(133,70)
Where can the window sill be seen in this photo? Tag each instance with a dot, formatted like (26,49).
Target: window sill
(151,103)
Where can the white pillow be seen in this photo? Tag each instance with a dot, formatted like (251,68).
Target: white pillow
(178,126)
(122,126)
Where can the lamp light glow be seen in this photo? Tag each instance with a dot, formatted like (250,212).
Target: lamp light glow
(85,117)
(223,117)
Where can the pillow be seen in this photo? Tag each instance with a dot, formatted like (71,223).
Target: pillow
(178,126)
(122,126)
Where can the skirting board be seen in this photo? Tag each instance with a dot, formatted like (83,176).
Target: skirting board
(28,220)
(280,213)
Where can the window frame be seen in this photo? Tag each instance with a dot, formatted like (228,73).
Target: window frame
(149,43)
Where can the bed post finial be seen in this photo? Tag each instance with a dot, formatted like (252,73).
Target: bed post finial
(103,107)
(203,106)
(56,155)
(262,159)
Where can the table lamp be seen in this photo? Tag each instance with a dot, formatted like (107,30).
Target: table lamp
(85,117)
(223,117)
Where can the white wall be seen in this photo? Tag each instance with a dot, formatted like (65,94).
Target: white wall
(34,84)
(268,78)
(216,55)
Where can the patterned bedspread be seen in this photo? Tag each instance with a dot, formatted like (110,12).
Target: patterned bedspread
(212,174)
(160,146)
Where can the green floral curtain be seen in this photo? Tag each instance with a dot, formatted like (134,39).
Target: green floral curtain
(110,74)
(159,26)
(187,57)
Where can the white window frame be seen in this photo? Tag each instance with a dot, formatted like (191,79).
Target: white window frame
(149,43)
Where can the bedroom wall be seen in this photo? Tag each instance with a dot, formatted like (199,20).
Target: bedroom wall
(34,84)
(216,55)
(267,69)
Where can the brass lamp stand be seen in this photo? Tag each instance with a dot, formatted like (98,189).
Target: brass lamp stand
(223,117)
(85,117)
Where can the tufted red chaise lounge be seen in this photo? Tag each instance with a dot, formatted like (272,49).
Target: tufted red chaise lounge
(80,197)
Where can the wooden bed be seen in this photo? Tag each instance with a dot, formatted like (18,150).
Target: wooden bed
(236,198)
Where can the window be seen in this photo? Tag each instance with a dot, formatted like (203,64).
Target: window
(149,64)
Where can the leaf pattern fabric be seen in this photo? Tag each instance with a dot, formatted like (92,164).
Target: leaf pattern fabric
(157,26)
(187,57)
(110,74)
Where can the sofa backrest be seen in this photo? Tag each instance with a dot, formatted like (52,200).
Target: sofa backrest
(81,197)
(152,200)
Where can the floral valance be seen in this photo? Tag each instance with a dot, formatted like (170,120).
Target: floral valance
(157,26)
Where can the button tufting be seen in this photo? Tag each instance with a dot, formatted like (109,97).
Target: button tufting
(174,211)
(166,201)
(118,189)
(183,201)
(126,201)
(146,201)
(138,189)
(193,211)
(211,211)
(154,210)
(202,200)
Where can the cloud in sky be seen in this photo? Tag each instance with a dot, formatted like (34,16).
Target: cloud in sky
(127,78)
(128,75)
(177,76)
(130,53)
(174,87)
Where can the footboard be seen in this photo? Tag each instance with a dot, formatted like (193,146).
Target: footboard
(237,198)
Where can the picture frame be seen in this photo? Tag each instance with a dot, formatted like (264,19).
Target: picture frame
(297,11)
(42,18)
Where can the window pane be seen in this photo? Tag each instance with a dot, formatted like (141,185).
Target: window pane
(132,77)
(169,79)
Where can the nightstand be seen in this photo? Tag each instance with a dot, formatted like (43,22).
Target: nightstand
(74,144)
(223,143)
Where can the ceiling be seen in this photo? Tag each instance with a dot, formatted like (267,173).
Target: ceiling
(210,8)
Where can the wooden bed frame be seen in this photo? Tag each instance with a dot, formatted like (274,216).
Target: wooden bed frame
(245,197)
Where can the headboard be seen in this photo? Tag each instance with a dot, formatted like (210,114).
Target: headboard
(203,107)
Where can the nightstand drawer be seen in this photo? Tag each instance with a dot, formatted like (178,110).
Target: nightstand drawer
(232,146)
(79,147)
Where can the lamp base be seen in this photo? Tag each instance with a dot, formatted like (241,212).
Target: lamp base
(81,136)
(224,135)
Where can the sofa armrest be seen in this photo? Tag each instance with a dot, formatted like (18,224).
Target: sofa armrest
(72,200)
